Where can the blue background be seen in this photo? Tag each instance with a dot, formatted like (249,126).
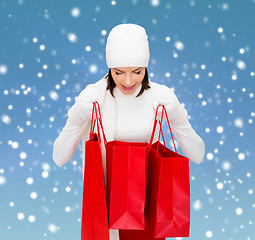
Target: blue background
(213,76)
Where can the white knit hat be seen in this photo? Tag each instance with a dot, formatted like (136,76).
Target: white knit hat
(127,46)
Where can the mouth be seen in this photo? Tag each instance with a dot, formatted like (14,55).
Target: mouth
(128,89)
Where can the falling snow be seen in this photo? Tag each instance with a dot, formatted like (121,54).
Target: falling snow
(6,119)
(2,180)
(3,69)
(179,45)
(72,37)
(75,12)
(57,48)
(52,228)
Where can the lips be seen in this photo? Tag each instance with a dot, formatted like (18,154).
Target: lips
(128,89)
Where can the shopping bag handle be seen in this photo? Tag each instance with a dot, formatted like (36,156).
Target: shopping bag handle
(101,123)
(98,119)
(92,126)
(160,124)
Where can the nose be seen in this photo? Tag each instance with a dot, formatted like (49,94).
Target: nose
(128,81)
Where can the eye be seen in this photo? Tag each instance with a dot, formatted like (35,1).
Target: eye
(138,72)
(117,73)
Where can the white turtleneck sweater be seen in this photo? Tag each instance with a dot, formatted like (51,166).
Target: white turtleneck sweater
(134,119)
(134,122)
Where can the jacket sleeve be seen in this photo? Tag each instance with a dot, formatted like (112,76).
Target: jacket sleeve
(190,142)
(76,126)
(66,143)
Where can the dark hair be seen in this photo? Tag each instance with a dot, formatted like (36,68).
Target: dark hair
(111,84)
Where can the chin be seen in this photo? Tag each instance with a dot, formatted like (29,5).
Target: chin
(129,92)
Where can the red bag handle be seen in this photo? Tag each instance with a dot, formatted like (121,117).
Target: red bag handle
(98,120)
(160,124)
(101,123)
(92,126)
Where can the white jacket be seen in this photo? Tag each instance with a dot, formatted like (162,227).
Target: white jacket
(66,143)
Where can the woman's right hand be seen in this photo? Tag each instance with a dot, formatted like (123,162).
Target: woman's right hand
(81,111)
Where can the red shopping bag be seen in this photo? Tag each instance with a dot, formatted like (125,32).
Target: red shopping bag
(168,189)
(167,206)
(127,164)
(146,234)
(94,222)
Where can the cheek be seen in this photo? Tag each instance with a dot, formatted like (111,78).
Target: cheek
(116,79)
(139,78)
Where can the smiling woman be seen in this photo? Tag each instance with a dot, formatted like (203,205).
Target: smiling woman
(128,100)
(128,79)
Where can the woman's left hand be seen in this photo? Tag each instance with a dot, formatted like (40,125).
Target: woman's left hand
(171,104)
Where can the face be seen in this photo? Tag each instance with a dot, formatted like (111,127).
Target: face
(128,79)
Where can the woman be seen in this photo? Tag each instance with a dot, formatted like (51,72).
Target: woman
(128,100)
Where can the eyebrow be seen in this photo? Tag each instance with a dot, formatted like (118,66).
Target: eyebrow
(122,71)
